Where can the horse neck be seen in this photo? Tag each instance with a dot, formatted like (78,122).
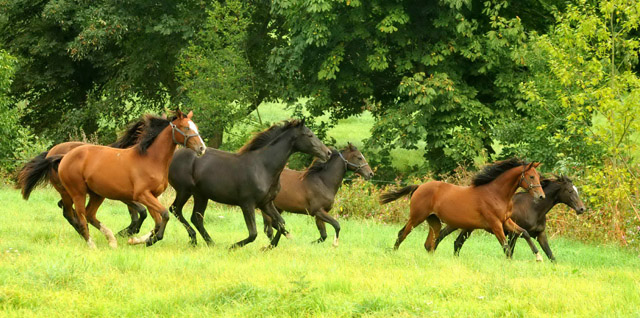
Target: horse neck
(162,149)
(551,193)
(507,183)
(334,173)
(275,155)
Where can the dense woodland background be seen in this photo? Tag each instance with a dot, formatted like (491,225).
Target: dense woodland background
(461,83)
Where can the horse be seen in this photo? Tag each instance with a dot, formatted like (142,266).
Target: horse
(486,204)
(312,191)
(29,177)
(248,178)
(133,174)
(531,215)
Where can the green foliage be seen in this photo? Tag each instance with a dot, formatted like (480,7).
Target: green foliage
(74,52)
(222,70)
(583,101)
(18,142)
(436,75)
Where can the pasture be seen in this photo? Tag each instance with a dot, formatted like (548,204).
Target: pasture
(47,270)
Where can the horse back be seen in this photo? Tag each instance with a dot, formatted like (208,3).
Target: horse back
(64,148)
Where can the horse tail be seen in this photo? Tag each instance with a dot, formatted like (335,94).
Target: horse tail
(35,172)
(396,194)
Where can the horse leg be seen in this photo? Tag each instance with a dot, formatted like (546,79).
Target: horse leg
(159,214)
(498,231)
(542,239)
(249,213)
(275,216)
(138,213)
(513,227)
(405,230)
(322,229)
(176,209)
(513,239)
(78,202)
(197,217)
(268,228)
(92,208)
(462,237)
(434,231)
(324,216)
(66,203)
(444,233)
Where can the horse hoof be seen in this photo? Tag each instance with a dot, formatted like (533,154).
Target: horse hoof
(288,236)
(335,242)
(113,244)
(91,245)
(267,248)
(538,257)
(133,241)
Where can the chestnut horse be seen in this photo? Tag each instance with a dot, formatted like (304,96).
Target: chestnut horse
(486,204)
(531,214)
(134,174)
(248,178)
(30,176)
(312,191)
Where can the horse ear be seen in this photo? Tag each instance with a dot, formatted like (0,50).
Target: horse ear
(351,146)
(302,121)
(179,113)
(529,166)
(190,114)
(536,164)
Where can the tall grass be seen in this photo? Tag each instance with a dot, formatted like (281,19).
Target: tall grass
(46,270)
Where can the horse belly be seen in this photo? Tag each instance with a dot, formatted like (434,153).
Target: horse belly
(458,208)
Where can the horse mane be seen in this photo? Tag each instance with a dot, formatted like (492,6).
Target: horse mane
(131,135)
(556,179)
(152,128)
(265,137)
(491,172)
(318,166)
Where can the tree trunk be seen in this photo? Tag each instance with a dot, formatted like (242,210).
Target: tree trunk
(215,140)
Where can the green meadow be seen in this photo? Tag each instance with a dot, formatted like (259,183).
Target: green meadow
(46,270)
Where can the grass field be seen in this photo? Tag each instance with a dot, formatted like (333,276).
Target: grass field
(47,271)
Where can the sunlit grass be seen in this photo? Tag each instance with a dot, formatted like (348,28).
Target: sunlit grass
(47,271)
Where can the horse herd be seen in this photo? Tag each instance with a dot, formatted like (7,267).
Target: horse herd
(138,167)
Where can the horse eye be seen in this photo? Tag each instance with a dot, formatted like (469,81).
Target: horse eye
(531,177)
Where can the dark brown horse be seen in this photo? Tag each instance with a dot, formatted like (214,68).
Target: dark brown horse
(29,177)
(486,204)
(531,214)
(248,178)
(133,174)
(312,191)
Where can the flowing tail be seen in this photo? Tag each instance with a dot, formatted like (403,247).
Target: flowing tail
(36,172)
(397,194)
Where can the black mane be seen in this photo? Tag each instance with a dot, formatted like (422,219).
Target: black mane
(265,137)
(491,172)
(318,166)
(153,126)
(557,179)
(131,135)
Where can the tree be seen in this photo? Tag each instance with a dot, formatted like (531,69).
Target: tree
(443,73)
(222,71)
(79,58)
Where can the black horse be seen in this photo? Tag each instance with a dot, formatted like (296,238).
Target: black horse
(531,215)
(312,191)
(248,178)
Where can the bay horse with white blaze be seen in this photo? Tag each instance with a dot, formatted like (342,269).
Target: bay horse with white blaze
(134,174)
(313,191)
(531,214)
(38,171)
(486,204)
(248,178)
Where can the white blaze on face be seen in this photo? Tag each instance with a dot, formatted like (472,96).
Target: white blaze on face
(575,189)
(193,127)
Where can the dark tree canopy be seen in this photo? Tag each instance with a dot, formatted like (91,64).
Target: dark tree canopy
(437,75)
(72,51)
